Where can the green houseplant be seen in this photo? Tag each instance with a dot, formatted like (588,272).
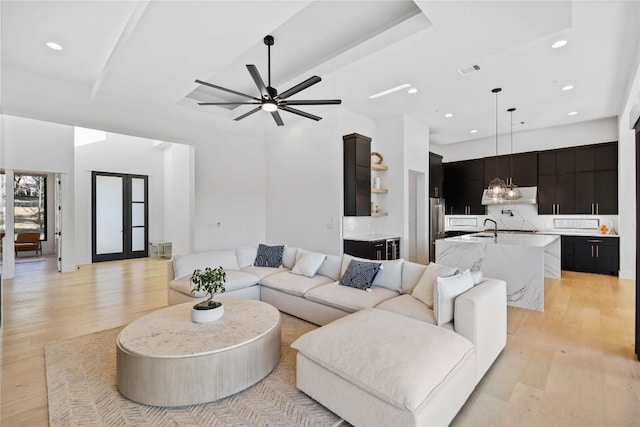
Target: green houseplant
(210,281)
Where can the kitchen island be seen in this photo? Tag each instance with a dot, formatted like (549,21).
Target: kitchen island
(522,260)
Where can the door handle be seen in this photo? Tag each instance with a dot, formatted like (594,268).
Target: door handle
(591,251)
(592,209)
(597,208)
(597,251)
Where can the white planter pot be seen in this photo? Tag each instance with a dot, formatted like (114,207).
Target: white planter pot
(207,316)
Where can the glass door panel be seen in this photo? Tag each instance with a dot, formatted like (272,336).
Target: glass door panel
(108,212)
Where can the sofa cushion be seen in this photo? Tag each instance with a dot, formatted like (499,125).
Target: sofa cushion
(398,359)
(408,306)
(411,274)
(246,255)
(293,284)
(348,299)
(446,291)
(235,280)
(289,257)
(269,256)
(331,267)
(262,272)
(390,275)
(308,263)
(185,265)
(424,289)
(360,274)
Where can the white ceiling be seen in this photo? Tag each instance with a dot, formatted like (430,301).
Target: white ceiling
(129,67)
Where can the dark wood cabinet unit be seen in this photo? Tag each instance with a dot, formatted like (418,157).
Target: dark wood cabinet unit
(357,175)
(435,175)
(591,254)
(596,180)
(463,186)
(380,250)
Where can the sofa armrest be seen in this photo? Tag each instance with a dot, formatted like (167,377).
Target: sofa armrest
(481,317)
(170,272)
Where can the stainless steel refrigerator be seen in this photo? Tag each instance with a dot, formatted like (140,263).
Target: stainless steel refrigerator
(436,224)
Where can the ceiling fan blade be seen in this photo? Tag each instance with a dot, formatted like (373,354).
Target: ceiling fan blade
(300,113)
(255,75)
(226,90)
(255,110)
(300,86)
(312,102)
(229,103)
(277,118)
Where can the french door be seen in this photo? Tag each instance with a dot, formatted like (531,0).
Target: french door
(120,216)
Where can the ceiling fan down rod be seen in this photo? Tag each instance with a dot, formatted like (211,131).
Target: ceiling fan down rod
(269,41)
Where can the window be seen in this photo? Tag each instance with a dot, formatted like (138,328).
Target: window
(30,204)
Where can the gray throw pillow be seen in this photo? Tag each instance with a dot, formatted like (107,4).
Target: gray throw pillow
(269,256)
(359,274)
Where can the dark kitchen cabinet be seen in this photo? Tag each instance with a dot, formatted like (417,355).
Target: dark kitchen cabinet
(523,168)
(596,180)
(591,254)
(463,186)
(435,175)
(357,175)
(388,249)
(556,194)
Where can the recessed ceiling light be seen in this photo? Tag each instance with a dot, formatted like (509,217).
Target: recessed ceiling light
(573,113)
(412,90)
(567,87)
(448,115)
(54,46)
(473,131)
(559,44)
(388,91)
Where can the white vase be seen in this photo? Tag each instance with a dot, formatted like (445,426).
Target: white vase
(208,315)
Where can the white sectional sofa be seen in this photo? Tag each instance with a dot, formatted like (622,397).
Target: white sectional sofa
(383,356)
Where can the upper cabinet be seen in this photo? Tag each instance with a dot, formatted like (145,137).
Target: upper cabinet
(519,167)
(576,180)
(463,185)
(435,175)
(357,175)
(580,180)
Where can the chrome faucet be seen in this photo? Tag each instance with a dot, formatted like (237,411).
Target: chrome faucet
(495,227)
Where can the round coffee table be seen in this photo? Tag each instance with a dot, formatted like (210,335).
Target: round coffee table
(164,359)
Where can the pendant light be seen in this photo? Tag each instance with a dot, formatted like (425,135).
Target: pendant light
(513,192)
(497,188)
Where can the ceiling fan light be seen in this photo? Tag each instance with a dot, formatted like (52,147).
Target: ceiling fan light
(269,106)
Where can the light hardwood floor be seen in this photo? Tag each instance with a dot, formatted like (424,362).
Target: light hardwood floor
(571,365)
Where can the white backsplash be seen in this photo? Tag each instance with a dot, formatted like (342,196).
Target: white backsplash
(525,217)
(355,226)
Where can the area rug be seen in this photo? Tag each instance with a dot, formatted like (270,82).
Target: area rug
(81,389)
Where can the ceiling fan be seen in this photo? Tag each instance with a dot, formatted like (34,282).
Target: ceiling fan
(269,99)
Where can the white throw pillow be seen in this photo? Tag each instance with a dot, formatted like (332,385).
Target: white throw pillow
(308,264)
(289,257)
(476,276)
(423,290)
(445,293)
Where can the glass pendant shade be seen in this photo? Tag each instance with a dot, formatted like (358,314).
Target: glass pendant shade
(497,189)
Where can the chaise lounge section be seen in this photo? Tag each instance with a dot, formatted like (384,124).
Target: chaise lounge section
(438,338)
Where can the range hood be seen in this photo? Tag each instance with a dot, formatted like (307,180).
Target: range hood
(529,197)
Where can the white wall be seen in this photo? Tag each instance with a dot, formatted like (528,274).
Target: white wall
(627,173)
(303,183)
(591,132)
(416,159)
(179,200)
(38,146)
(229,192)
(118,154)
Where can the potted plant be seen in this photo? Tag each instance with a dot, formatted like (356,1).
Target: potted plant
(210,281)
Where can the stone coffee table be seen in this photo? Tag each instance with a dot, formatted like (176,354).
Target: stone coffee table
(164,359)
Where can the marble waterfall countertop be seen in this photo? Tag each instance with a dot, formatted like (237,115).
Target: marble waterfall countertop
(516,239)
(522,260)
